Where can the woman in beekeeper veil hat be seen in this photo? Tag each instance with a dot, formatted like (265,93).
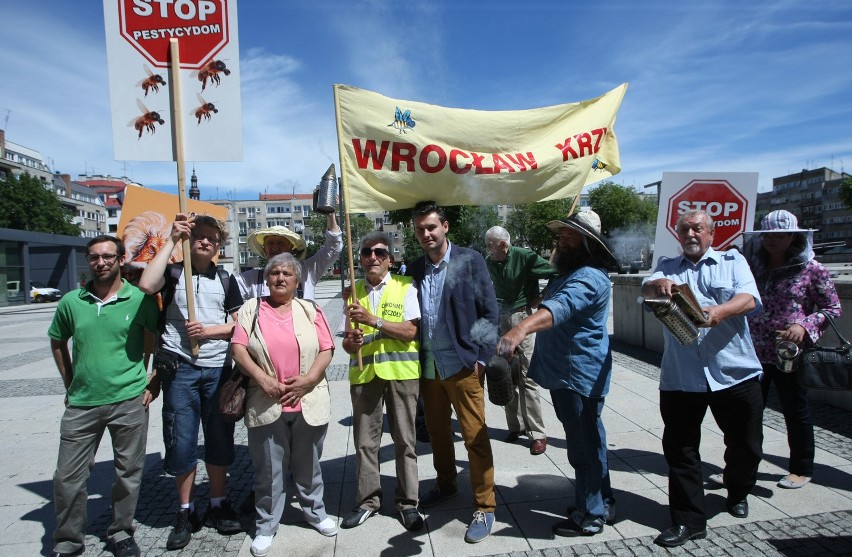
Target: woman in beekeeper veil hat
(794,288)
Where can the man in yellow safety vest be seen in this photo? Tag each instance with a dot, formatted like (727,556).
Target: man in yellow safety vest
(386,318)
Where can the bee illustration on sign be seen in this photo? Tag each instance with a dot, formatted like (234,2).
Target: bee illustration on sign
(402,121)
(147,120)
(204,109)
(153,81)
(598,165)
(211,71)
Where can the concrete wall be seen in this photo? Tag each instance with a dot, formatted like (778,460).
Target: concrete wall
(640,328)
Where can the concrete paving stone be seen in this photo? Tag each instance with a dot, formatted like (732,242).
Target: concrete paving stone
(532,487)
(616,423)
(635,440)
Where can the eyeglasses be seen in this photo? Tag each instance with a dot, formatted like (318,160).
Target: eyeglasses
(109,258)
(381,253)
(199,237)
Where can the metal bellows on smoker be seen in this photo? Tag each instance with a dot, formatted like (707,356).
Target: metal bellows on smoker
(674,319)
(680,314)
(325,194)
(498,376)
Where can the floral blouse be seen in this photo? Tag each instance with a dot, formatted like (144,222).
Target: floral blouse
(792,298)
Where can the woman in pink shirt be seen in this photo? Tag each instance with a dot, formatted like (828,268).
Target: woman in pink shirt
(284,345)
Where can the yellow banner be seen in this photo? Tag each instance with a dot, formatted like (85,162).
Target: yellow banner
(395,153)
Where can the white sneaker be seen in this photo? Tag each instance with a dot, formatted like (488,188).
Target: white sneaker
(716,480)
(261,545)
(326,527)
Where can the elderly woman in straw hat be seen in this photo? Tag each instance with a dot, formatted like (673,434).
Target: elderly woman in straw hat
(269,242)
(794,288)
(284,345)
(572,360)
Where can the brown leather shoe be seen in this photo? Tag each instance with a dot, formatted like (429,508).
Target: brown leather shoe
(538,446)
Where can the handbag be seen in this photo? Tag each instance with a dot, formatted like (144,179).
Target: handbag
(826,367)
(232,393)
(232,396)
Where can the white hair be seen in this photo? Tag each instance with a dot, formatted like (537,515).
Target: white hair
(498,233)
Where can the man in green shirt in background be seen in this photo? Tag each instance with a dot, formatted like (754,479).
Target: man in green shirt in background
(107,386)
(515,273)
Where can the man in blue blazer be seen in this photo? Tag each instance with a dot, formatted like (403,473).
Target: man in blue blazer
(458,334)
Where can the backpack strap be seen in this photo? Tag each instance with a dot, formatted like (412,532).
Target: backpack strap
(175,270)
(168,295)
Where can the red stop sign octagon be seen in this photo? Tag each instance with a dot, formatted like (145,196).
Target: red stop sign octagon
(720,200)
(201,27)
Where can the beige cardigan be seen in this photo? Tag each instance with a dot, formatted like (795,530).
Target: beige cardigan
(262,410)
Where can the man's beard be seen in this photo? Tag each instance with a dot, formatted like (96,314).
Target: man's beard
(566,260)
(692,248)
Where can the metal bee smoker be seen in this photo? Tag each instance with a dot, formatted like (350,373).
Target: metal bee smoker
(673,318)
(786,356)
(325,194)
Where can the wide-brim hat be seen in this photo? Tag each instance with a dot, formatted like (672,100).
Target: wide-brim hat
(588,223)
(780,221)
(257,238)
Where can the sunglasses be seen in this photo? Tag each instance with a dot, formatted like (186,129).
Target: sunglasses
(381,253)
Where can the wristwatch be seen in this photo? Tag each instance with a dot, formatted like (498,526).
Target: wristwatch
(379,324)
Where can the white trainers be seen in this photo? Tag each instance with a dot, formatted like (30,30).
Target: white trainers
(716,480)
(326,527)
(261,545)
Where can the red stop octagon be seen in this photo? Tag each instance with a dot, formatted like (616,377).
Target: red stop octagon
(200,26)
(725,205)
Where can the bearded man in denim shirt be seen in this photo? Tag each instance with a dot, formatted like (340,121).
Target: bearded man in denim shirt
(572,359)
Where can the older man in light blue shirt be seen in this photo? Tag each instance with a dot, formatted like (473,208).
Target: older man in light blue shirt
(720,370)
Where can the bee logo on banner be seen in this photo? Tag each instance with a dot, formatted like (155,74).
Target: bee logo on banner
(402,121)
(137,38)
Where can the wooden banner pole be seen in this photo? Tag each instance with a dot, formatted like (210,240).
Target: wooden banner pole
(345,190)
(177,141)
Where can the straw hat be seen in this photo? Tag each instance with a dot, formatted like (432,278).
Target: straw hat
(780,221)
(588,223)
(257,238)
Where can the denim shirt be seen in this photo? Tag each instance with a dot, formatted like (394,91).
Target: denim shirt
(574,354)
(438,345)
(725,353)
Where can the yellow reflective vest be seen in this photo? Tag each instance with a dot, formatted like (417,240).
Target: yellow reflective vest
(388,358)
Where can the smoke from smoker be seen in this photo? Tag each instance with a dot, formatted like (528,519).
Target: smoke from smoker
(632,245)
(484,333)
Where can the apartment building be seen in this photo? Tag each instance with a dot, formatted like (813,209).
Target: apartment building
(814,197)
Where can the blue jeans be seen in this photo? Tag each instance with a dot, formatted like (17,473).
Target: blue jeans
(586,439)
(191,398)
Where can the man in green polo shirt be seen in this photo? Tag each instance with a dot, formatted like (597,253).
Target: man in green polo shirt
(107,388)
(515,273)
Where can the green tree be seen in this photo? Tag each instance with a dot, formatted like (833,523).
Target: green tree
(846,192)
(620,206)
(627,219)
(469,224)
(25,204)
(527,224)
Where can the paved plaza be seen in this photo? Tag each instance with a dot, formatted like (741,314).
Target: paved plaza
(532,491)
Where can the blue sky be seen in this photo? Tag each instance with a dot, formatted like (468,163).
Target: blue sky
(759,86)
